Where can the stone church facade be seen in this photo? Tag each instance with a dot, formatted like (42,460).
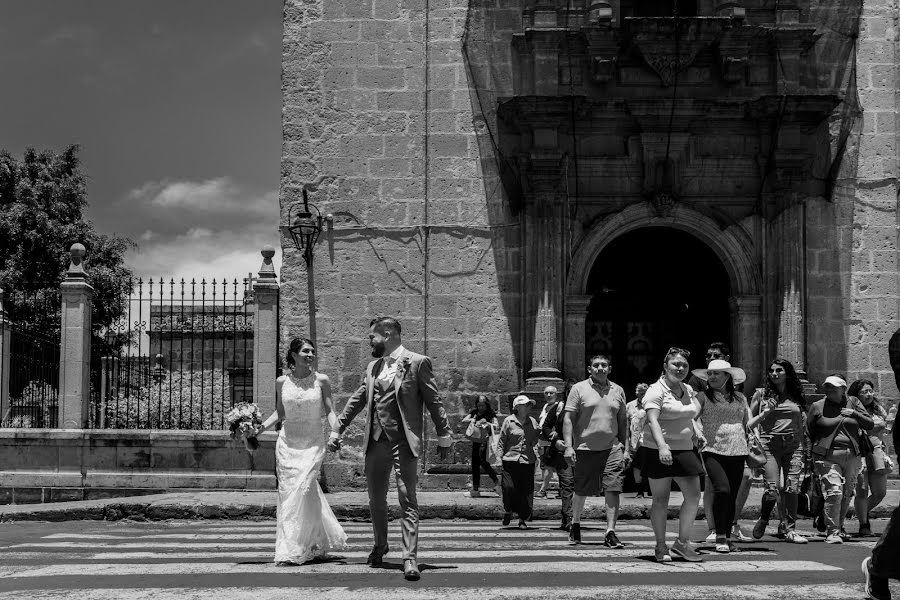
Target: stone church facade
(526,182)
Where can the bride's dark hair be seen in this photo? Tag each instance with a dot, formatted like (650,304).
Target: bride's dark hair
(296,345)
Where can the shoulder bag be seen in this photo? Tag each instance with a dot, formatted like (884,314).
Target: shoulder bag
(756,457)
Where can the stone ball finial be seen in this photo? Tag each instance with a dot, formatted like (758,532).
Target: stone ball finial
(267,252)
(77,252)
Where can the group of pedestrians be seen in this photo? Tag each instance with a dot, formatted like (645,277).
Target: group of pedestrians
(688,431)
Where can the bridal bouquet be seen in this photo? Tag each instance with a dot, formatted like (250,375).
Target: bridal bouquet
(243,419)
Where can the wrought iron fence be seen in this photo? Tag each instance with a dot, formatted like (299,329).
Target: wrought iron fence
(180,356)
(32,310)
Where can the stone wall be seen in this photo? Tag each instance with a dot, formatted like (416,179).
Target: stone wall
(853,241)
(399,170)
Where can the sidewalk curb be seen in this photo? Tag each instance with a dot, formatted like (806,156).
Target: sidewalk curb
(159,508)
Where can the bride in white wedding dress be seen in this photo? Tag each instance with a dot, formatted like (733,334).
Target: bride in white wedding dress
(307,528)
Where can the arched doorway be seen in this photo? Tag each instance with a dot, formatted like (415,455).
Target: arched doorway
(653,288)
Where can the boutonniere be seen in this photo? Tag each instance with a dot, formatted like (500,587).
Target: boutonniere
(403,367)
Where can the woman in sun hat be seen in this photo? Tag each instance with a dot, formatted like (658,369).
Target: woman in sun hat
(836,424)
(518,437)
(723,415)
(779,410)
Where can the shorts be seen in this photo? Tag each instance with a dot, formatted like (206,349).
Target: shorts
(685,463)
(599,470)
(877,461)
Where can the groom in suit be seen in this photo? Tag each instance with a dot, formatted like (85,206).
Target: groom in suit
(396,387)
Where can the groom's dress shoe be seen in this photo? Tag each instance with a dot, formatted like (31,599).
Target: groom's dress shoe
(376,557)
(411,570)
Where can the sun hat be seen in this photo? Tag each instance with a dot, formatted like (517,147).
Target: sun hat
(835,381)
(737,374)
(522,399)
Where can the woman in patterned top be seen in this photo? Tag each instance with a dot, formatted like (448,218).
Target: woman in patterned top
(779,410)
(637,418)
(723,415)
(871,485)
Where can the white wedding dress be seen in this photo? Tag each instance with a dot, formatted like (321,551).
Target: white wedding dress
(307,527)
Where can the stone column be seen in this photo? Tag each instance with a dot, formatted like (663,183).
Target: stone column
(5,349)
(266,361)
(576,313)
(747,351)
(544,267)
(788,264)
(75,344)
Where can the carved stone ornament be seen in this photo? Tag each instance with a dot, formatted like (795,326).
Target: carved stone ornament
(666,63)
(663,203)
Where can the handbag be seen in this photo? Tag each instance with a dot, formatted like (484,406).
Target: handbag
(493,455)
(756,457)
(866,447)
(476,433)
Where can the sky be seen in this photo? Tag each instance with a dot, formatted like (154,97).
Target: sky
(176,105)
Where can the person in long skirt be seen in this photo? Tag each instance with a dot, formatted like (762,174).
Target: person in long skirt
(518,437)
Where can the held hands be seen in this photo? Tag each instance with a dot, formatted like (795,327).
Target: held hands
(665,456)
(334,442)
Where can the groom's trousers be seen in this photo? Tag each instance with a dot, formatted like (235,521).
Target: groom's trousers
(384,457)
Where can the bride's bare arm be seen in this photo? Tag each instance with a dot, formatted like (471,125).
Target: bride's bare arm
(327,402)
(278,415)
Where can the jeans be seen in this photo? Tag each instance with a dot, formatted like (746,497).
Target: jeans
(837,477)
(479,461)
(566,490)
(518,488)
(724,473)
(784,464)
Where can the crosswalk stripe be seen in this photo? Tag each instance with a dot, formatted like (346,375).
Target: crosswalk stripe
(840,591)
(562,566)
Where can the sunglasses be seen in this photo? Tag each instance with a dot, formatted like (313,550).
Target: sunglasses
(677,350)
(777,370)
(714,355)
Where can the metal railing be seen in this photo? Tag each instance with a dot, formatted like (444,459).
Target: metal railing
(32,380)
(180,356)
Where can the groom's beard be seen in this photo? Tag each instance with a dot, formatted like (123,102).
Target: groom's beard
(378,350)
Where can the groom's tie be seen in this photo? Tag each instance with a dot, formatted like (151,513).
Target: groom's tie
(377,430)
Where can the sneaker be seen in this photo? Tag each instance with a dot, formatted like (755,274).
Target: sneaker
(793,537)
(540,494)
(661,554)
(711,537)
(575,533)
(612,540)
(685,551)
(507,517)
(845,536)
(759,529)
(639,495)
(474,494)
(834,538)
(876,587)
(723,548)
(523,524)
(737,532)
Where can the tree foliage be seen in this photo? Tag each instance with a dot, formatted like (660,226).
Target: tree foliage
(43,197)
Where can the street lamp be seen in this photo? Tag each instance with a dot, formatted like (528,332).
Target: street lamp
(305,226)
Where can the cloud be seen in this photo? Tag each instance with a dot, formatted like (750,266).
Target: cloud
(72,34)
(196,229)
(220,196)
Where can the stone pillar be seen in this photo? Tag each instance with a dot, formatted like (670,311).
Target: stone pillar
(266,361)
(75,344)
(544,267)
(788,264)
(576,314)
(747,352)
(5,349)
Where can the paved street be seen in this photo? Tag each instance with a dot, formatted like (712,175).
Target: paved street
(459,559)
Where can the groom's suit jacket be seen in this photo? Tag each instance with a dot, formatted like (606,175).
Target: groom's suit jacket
(416,391)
